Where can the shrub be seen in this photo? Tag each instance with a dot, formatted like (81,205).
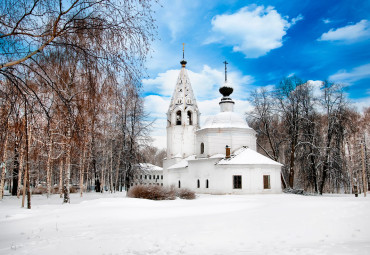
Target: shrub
(39,190)
(55,189)
(73,189)
(155,192)
(185,194)
(152,192)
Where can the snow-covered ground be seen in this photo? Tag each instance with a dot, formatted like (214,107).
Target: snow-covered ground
(249,224)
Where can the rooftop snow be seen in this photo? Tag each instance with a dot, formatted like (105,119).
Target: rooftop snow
(247,156)
(183,163)
(225,120)
(151,167)
(217,156)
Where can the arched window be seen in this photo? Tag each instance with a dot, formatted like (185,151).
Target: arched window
(178,118)
(207,184)
(201,148)
(198,184)
(190,118)
(179,184)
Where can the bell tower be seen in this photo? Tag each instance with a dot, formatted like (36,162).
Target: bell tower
(182,117)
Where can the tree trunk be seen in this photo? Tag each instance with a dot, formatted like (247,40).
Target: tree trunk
(102,183)
(48,166)
(117,171)
(15,169)
(88,183)
(3,166)
(111,170)
(324,176)
(291,168)
(364,179)
(66,188)
(26,180)
(61,178)
(82,169)
(20,173)
(314,172)
(326,163)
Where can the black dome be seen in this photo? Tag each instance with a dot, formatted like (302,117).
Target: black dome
(226,91)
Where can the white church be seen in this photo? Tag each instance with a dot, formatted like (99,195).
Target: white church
(219,157)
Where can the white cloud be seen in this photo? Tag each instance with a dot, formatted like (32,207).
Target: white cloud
(205,83)
(163,84)
(362,103)
(156,106)
(296,19)
(316,86)
(175,15)
(326,21)
(160,141)
(357,73)
(349,33)
(253,30)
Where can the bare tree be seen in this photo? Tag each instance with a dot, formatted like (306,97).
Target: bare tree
(264,119)
(334,103)
(288,97)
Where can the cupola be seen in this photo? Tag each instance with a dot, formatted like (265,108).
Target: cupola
(226,103)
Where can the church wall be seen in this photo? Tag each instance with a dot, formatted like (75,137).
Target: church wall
(166,164)
(220,178)
(173,176)
(215,140)
(180,141)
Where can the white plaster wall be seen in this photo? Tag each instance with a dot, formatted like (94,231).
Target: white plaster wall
(166,173)
(180,140)
(221,177)
(226,106)
(216,139)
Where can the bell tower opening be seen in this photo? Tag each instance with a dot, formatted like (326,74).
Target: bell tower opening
(178,118)
(190,118)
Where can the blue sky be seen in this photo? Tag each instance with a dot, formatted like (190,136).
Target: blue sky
(263,41)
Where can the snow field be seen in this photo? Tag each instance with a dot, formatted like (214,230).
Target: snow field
(230,224)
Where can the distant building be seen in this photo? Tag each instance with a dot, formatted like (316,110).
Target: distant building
(221,156)
(148,174)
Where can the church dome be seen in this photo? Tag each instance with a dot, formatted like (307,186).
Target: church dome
(225,120)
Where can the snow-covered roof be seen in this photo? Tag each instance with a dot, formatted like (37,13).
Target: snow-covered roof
(217,156)
(151,167)
(247,156)
(225,120)
(183,163)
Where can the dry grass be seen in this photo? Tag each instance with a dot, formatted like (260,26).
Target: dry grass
(39,190)
(155,192)
(152,192)
(185,194)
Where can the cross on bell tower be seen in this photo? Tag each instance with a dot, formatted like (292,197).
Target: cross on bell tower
(225,62)
(183,61)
